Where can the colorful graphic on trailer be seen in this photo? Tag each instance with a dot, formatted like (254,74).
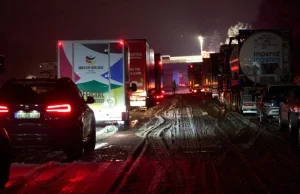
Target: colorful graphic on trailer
(91,72)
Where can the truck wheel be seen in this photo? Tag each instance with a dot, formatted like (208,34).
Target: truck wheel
(89,146)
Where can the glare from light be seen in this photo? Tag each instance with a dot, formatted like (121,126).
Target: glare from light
(201,43)
(100,145)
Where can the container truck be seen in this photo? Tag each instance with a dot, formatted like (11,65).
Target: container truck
(158,68)
(261,57)
(215,73)
(142,73)
(195,77)
(100,69)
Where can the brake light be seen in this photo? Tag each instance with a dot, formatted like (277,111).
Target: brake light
(59,108)
(3,109)
(159,96)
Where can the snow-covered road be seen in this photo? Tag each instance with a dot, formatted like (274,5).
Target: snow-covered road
(187,144)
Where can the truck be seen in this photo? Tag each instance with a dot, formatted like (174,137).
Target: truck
(195,77)
(259,58)
(99,68)
(142,73)
(159,82)
(215,73)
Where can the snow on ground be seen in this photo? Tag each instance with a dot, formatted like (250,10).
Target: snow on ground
(191,146)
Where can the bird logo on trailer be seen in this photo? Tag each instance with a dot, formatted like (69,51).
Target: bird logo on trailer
(90,60)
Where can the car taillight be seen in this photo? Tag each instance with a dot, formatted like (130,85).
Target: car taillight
(63,108)
(3,109)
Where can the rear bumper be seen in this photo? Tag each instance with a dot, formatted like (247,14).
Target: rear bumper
(56,135)
(249,109)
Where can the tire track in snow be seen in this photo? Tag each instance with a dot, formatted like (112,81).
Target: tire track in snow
(274,155)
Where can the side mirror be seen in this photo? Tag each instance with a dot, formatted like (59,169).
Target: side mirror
(90,100)
(133,87)
(1,64)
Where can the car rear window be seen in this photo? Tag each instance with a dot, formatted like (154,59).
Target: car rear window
(31,89)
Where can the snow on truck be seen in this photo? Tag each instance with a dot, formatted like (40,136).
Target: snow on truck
(100,69)
(142,73)
(261,57)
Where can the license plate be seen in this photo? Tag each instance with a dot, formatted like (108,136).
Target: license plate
(27,115)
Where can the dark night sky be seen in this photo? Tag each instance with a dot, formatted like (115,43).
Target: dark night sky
(30,28)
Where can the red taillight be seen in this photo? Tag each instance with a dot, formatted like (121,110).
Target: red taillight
(159,96)
(163,91)
(59,108)
(59,43)
(3,109)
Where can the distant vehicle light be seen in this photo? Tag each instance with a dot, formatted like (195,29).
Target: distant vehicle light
(160,62)
(203,90)
(121,42)
(59,43)
(194,91)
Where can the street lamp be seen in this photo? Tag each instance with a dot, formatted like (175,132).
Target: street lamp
(201,43)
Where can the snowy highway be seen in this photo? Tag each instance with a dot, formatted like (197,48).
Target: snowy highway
(186,144)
